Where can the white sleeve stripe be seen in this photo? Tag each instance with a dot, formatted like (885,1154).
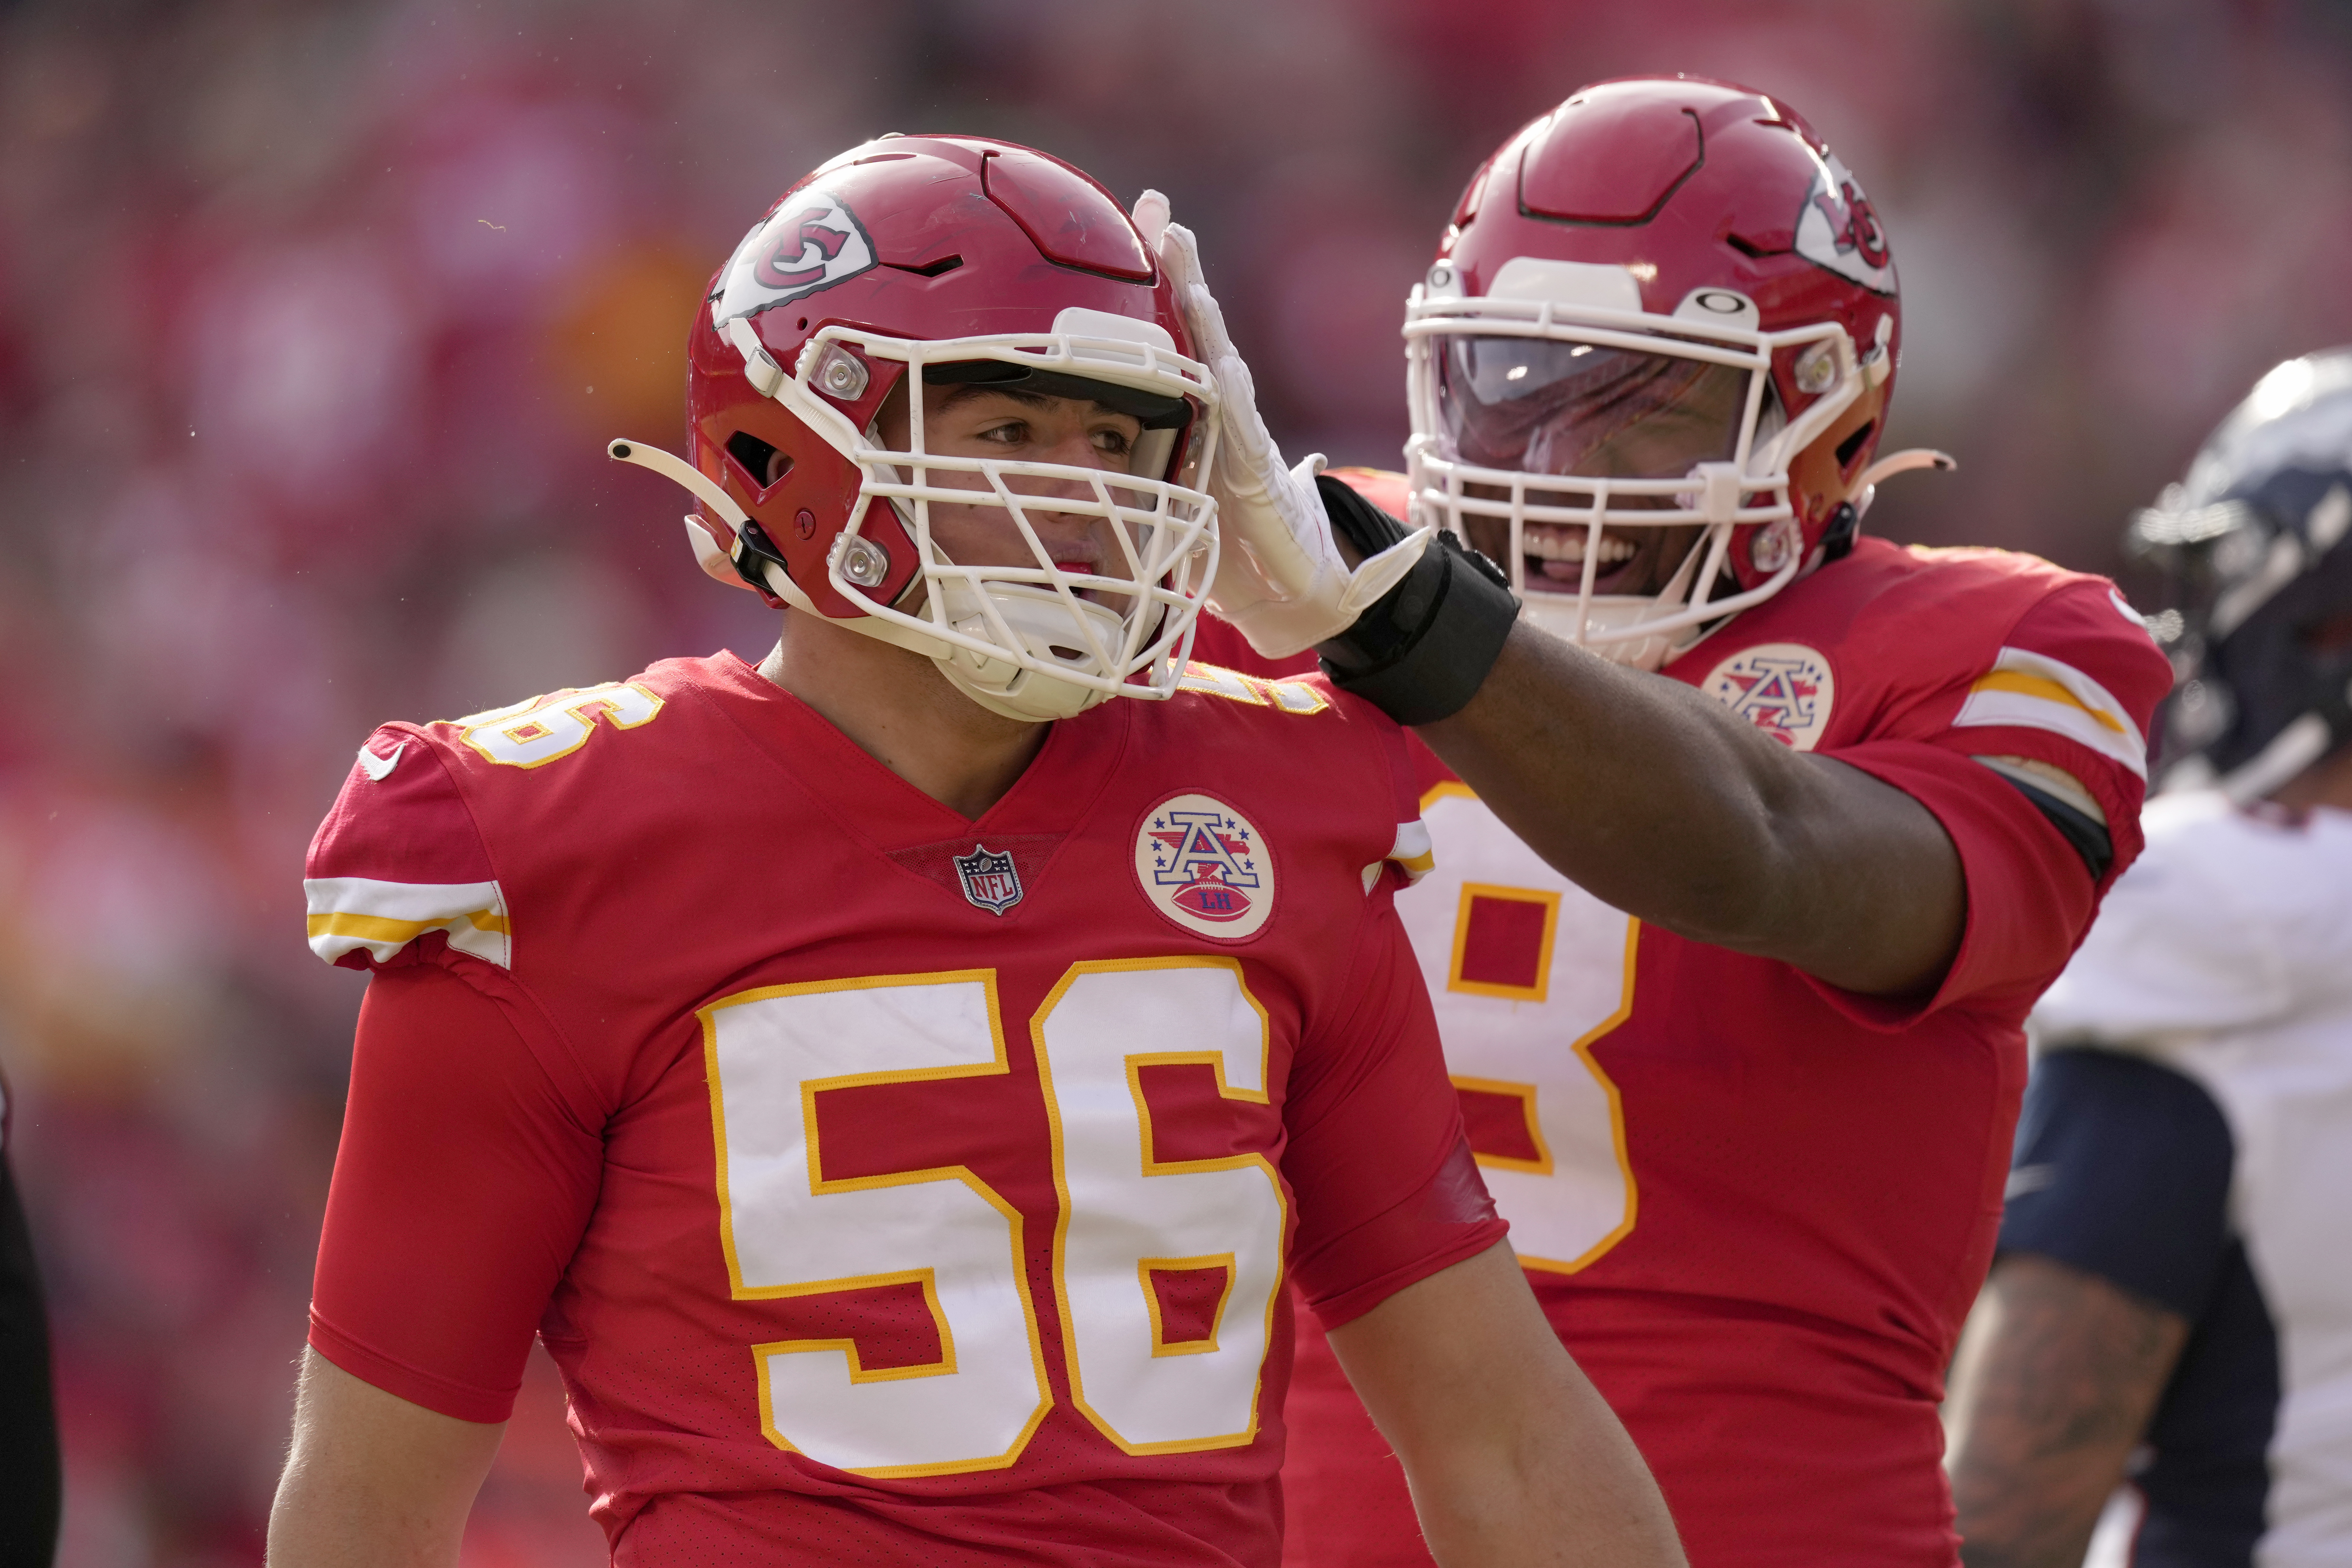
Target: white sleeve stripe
(349,913)
(2034,691)
(1414,850)
(1413,853)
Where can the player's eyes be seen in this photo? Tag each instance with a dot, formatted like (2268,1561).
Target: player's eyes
(1113,442)
(1012,433)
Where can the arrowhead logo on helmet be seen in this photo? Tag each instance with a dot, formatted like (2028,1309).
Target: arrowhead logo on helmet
(811,242)
(1838,228)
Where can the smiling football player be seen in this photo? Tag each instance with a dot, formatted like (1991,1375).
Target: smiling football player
(1759,835)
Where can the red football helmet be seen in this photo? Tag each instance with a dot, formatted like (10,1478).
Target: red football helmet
(950,259)
(1663,303)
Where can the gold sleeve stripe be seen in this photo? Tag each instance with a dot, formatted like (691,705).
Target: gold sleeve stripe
(350,913)
(1414,850)
(376,928)
(2024,689)
(2041,686)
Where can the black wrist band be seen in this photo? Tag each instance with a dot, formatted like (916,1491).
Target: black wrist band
(1423,649)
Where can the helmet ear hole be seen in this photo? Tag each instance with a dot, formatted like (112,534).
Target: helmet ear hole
(1850,450)
(764,464)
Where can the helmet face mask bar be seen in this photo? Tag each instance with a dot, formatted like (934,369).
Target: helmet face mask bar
(1736,474)
(1018,638)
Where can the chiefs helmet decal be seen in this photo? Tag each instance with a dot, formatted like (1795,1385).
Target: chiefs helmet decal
(1838,228)
(811,242)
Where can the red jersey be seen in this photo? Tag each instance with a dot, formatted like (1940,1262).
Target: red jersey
(1757,1207)
(888,1186)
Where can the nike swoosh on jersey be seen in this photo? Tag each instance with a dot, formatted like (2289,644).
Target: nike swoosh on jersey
(380,768)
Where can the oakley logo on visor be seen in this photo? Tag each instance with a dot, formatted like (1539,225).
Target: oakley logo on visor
(1838,228)
(811,242)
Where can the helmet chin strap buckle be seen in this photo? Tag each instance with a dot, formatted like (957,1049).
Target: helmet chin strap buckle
(1837,538)
(714,559)
(751,561)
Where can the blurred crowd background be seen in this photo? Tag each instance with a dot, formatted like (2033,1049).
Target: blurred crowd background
(314,317)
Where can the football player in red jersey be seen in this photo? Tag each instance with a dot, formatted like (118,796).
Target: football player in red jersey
(1758,836)
(906,1120)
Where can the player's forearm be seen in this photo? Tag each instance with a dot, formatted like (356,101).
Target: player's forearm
(1653,798)
(2057,1380)
(1553,1481)
(330,1521)
(372,1482)
(1513,1458)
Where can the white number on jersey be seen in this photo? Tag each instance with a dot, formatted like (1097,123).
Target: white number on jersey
(1528,970)
(533,733)
(1134,1234)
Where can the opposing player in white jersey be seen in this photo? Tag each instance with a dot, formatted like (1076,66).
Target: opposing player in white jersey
(2173,1300)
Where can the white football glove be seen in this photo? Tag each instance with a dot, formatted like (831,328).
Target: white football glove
(1280,578)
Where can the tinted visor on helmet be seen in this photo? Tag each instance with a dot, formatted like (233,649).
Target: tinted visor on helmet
(1542,405)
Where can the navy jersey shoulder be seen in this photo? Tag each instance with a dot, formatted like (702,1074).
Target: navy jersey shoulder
(2123,1170)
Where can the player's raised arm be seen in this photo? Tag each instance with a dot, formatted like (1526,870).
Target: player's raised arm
(1654,428)
(1660,801)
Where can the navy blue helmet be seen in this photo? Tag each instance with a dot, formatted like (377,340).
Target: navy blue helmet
(2257,545)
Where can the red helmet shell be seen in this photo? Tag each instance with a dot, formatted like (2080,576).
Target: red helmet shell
(1693,183)
(946,236)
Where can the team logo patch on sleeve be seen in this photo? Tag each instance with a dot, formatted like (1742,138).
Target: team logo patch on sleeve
(990,881)
(811,242)
(1784,689)
(1205,867)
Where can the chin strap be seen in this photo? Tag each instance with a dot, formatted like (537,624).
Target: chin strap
(1846,523)
(1902,462)
(751,561)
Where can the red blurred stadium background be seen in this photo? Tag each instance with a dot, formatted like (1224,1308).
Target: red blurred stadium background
(313,319)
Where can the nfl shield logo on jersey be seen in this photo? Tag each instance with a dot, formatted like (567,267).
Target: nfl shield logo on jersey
(990,881)
(1784,689)
(1204,866)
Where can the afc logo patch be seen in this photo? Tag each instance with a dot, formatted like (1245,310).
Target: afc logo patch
(1205,867)
(811,242)
(990,881)
(1784,689)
